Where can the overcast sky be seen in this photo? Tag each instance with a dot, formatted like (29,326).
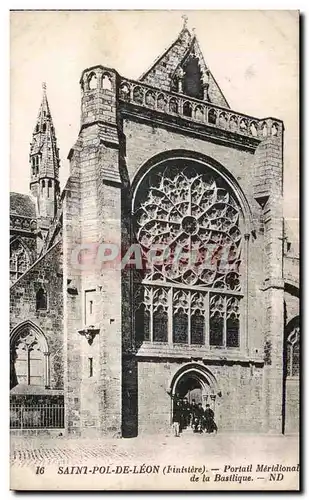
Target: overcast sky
(252,54)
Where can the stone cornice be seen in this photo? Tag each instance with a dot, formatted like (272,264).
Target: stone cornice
(211,121)
(193,353)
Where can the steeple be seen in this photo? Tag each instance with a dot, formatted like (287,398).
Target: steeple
(45,163)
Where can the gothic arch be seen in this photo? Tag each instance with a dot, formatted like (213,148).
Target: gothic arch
(203,161)
(292,287)
(195,370)
(291,353)
(29,356)
(30,325)
(183,200)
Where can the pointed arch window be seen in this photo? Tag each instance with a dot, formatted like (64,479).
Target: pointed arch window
(92,81)
(106,82)
(19,260)
(195,294)
(49,187)
(29,358)
(192,80)
(35,163)
(41,299)
(292,353)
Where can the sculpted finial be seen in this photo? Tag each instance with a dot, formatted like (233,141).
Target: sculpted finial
(185,21)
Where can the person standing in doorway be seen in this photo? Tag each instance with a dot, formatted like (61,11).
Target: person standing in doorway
(193,409)
(176,418)
(198,422)
(186,412)
(210,423)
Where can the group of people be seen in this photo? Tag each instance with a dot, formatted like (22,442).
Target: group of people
(192,415)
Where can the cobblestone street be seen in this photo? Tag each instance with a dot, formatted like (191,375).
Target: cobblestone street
(39,450)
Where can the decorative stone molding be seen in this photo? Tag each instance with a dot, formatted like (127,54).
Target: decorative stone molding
(71,287)
(21,223)
(172,103)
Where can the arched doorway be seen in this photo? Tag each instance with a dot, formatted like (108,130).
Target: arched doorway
(195,382)
(190,387)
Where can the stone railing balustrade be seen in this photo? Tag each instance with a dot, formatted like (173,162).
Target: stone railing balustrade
(197,111)
(22,223)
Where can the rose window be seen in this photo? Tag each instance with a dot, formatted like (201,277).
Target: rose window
(188,218)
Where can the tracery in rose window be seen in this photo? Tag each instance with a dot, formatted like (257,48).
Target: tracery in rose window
(188,210)
(194,299)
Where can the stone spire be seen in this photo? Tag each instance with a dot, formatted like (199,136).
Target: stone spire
(45,163)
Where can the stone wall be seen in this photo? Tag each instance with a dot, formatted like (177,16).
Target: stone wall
(47,271)
(91,216)
(240,387)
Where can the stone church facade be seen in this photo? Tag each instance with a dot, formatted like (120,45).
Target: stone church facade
(160,162)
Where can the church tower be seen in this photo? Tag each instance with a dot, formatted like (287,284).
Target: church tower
(44,162)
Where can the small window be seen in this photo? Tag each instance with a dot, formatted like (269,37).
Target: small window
(90,367)
(35,164)
(41,300)
(44,127)
(49,187)
(89,307)
(192,82)
(92,81)
(106,82)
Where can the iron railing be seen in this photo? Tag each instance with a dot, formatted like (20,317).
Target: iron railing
(36,416)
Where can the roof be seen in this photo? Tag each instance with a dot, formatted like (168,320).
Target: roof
(22,204)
